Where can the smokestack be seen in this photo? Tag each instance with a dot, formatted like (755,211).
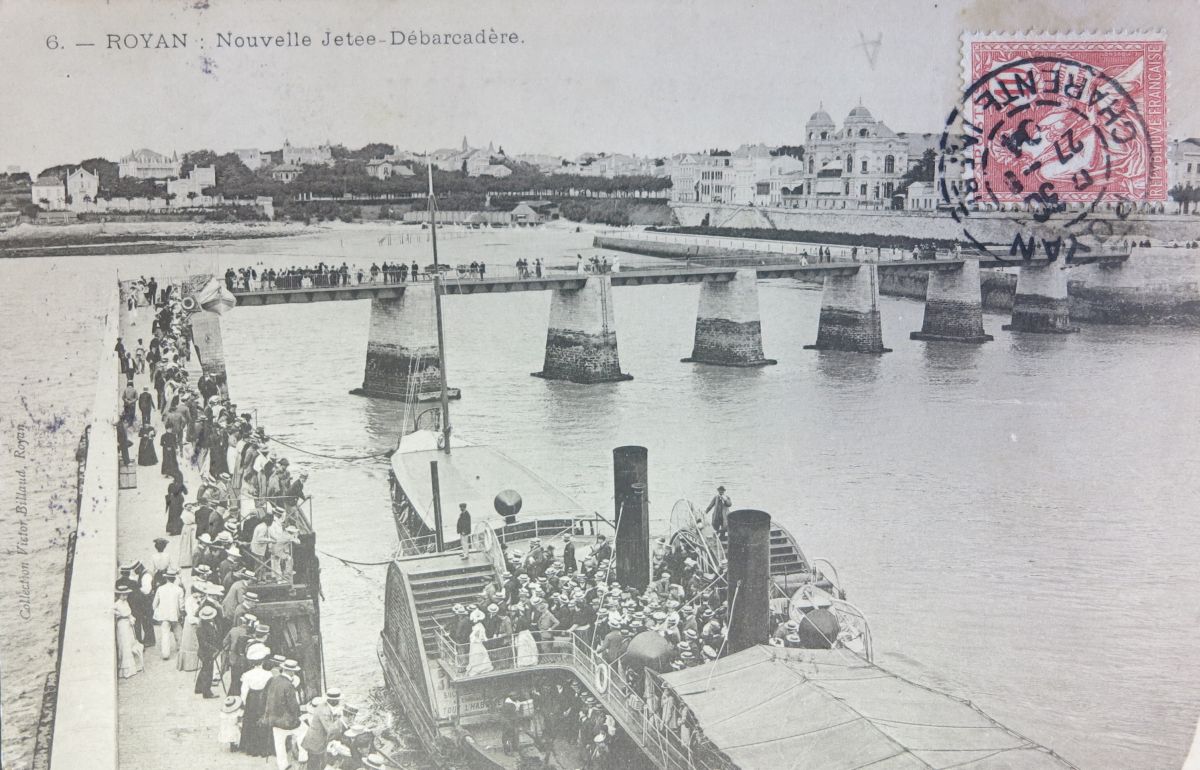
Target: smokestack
(632,509)
(749,578)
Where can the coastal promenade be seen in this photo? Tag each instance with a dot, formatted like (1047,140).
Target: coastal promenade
(160,721)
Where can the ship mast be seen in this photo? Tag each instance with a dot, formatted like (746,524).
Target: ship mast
(437,303)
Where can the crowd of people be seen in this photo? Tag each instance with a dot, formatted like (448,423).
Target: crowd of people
(194,598)
(597,264)
(545,601)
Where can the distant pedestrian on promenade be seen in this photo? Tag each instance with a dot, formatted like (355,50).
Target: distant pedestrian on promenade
(176,497)
(123,443)
(170,462)
(146,404)
(464,529)
(129,399)
(146,454)
(129,649)
(719,505)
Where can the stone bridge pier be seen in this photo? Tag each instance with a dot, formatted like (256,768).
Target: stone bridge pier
(850,312)
(1040,304)
(953,306)
(728,326)
(581,338)
(210,348)
(402,351)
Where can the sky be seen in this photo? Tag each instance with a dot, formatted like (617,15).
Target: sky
(650,77)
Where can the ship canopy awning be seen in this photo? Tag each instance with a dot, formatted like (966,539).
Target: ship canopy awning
(773,707)
(474,475)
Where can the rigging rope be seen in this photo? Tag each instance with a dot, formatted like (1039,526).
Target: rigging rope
(356,563)
(375,456)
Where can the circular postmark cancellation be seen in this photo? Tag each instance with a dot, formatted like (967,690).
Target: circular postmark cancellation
(1048,156)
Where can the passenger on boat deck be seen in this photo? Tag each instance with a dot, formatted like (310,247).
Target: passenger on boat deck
(719,506)
(602,551)
(463,528)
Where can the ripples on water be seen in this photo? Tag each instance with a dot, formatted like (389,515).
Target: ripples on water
(1016,519)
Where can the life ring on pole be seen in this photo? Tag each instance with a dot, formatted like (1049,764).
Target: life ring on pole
(601,678)
(190,304)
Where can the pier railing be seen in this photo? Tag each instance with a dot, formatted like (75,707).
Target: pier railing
(669,747)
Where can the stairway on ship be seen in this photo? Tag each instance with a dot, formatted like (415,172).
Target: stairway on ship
(435,592)
(786,557)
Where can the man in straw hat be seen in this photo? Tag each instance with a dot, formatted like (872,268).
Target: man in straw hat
(325,726)
(282,710)
(208,639)
(168,610)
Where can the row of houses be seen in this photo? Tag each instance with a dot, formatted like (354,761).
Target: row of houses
(79,190)
(860,165)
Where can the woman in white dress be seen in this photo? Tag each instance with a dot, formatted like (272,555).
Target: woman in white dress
(187,538)
(129,649)
(478,661)
(527,652)
(189,643)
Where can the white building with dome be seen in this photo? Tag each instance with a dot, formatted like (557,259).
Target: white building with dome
(858,166)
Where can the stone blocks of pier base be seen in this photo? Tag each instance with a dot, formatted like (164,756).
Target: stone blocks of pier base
(581,340)
(728,327)
(953,306)
(402,351)
(850,313)
(206,337)
(1040,304)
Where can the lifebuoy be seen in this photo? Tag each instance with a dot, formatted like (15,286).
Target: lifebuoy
(189,304)
(601,678)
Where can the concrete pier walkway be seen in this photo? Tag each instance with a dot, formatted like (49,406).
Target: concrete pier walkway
(161,722)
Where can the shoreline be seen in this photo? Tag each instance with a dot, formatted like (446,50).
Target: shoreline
(111,238)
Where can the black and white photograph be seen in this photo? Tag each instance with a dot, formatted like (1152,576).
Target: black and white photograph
(777,385)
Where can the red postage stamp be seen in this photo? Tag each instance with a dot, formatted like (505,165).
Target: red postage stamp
(1066,119)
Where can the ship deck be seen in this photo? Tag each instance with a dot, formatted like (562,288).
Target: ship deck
(474,475)
(159,719)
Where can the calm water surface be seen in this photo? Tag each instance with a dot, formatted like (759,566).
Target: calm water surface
(1016,519)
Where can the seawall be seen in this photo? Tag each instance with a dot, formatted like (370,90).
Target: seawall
(989,227)
(85,719)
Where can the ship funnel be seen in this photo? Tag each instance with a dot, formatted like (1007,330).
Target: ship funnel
(632,508)
(749,578)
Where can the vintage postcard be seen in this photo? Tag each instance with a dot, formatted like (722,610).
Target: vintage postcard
(621,385)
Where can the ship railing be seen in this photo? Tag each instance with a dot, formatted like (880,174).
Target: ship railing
(484,539)
(854,632)
(549,529)
(564,649)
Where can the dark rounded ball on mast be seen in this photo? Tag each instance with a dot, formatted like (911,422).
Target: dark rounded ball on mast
(508,504)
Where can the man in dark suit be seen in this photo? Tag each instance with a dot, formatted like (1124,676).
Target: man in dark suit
(568,555)
(464,529)
(145,404)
